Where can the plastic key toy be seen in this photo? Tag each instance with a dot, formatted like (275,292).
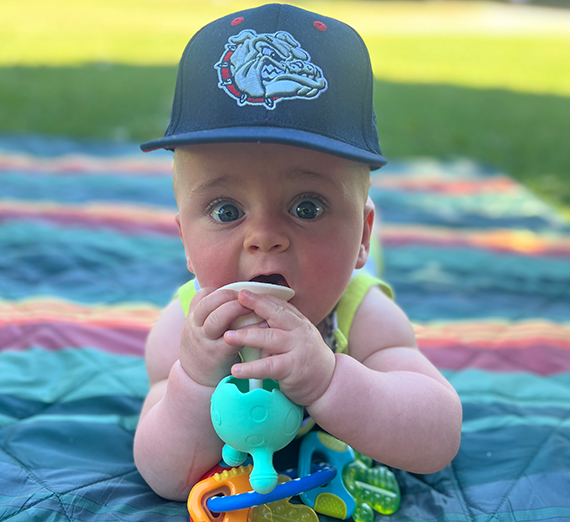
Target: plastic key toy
(251,416)
(357,490)
(288,487)
(226,496)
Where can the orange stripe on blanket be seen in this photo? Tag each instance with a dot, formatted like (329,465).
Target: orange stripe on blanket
(81,164)
(111,214)
(46,310)
(493,335)
(437,183)
(503,240)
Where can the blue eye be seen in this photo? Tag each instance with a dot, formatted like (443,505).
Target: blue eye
(226,212)
(307,208)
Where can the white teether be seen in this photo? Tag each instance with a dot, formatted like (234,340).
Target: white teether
(282,292)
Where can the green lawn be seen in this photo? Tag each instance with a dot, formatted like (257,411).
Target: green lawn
(449,83)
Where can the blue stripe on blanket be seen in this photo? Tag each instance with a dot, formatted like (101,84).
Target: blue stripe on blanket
(79,189)
(89,265)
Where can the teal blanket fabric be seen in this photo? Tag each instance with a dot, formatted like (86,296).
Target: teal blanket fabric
(89,254)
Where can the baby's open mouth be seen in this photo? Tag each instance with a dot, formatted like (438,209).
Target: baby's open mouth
(272,279)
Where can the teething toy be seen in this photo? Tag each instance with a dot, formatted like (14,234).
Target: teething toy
(257,421)
(228,482)
(241,505)
(374,488)
(286,489)
(334,500)
(357,490)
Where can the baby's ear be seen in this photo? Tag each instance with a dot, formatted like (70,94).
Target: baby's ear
(367,225)
(188,262)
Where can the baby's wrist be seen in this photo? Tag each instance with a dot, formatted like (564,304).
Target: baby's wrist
(325,383)
(180,377)
(328,398)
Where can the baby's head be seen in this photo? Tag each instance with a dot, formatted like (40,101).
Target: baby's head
(274,213)
(274,134)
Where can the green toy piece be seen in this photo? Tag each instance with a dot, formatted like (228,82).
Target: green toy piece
(373,488)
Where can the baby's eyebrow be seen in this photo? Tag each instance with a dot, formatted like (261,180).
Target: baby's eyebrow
(220,181)
(309,174)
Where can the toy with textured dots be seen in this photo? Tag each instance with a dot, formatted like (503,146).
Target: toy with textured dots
(227,497)
(228,482)
(359,488)
(254,416)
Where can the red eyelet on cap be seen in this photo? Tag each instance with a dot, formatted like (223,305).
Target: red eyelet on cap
(320,26)
(237,21)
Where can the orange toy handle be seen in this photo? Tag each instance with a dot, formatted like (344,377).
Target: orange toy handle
(228,482)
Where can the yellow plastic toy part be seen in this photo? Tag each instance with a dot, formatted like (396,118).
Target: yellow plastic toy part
(283,511)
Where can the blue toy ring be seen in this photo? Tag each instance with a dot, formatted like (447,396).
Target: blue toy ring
(320,477)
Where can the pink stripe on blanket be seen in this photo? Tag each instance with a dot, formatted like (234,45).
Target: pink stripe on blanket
(499,240)
(539,359)
(436,182)
(125,218)
(77,164)
(45,310)
(493,335)
(56,336)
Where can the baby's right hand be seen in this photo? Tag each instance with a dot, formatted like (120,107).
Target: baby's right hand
(204,355)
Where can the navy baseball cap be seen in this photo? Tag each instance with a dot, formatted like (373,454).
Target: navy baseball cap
(276,74)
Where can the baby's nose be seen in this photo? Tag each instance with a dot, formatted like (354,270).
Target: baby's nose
(266,238)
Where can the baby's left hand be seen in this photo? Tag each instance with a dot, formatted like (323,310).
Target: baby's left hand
(292,349)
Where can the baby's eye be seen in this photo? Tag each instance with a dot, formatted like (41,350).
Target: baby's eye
(226,212)
(307,208)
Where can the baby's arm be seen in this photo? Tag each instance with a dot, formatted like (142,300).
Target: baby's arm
(387,400)
(175,443)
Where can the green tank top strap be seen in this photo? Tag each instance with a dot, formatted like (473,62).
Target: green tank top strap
(185,294)
(346,308)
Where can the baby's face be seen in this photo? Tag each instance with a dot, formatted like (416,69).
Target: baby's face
(273,213)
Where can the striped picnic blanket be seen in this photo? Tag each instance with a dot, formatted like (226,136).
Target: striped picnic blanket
(89,254)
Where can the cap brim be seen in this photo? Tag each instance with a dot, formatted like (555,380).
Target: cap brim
(297,138)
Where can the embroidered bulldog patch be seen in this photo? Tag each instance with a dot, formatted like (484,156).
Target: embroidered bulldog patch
(263,69)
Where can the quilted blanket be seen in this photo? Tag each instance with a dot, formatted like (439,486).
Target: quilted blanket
(89,254)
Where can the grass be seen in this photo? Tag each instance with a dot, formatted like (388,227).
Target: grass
(449,83)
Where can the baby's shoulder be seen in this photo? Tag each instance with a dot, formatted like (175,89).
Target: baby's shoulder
(379,323)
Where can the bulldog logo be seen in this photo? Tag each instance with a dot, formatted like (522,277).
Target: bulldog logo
(263,69)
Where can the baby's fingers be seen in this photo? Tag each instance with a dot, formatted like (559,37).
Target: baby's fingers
(271,340)
(276,367)
(275,311)
(215,311)
(219,320)
(206,300)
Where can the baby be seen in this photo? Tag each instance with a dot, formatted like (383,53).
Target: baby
(274,137)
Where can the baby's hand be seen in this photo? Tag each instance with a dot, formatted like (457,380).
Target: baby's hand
(292,349)
(204,354)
